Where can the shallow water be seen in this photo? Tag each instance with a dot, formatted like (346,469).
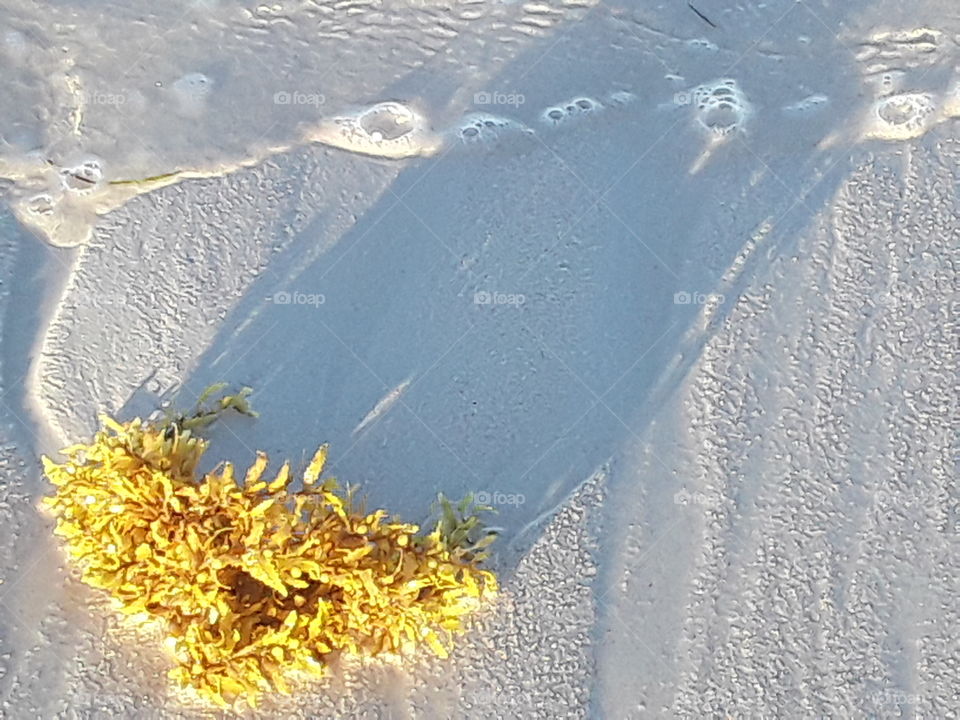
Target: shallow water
(675,290)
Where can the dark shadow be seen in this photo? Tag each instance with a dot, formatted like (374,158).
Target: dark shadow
(520,401)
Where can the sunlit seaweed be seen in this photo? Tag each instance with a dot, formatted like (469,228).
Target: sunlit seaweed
(252,579)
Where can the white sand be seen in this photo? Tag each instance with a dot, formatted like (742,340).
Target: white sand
(681,300)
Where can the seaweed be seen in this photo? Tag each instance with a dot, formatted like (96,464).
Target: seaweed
(252,580)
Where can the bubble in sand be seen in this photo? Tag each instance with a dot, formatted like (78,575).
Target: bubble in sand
(572,109)
(388,121)
(388,129)
(486,128)
(901,117)
(720,106)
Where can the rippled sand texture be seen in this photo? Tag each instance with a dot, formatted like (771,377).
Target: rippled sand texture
(812,487)
(675,291)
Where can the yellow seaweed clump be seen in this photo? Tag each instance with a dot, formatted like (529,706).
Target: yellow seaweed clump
(251,579)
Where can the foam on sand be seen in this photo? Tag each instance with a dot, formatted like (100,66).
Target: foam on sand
(720,109)
(901,117)
(206,97)
(720,106)
(63,204)
(573,109)
(388,130)
(481,128)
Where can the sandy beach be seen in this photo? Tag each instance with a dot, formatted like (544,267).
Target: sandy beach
(673,287)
